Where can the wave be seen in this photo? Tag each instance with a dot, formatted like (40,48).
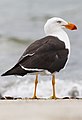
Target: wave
(24,87)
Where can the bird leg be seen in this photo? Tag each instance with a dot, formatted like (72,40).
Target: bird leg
(36,82)
(53,86)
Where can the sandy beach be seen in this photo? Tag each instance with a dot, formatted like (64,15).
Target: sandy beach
(41,109)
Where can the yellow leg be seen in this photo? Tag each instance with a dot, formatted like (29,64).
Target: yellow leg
(53,86)
(36,82)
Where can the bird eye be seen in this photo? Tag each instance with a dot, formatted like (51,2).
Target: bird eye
(58,21)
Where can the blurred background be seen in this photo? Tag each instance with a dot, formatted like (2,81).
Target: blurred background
(21,23)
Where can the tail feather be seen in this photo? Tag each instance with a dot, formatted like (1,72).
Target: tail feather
(16,70)
(6,73)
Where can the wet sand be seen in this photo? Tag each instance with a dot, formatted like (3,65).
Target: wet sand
(41,109)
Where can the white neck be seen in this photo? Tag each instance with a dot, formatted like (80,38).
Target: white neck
(62,35)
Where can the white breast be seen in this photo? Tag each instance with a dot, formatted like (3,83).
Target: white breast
(62,35)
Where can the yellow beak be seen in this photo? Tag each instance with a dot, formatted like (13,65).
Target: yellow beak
(71,26)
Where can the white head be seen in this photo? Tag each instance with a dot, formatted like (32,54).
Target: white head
(55,24)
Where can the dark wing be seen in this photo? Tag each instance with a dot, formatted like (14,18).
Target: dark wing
(48,53)
(39,44)
(51,56)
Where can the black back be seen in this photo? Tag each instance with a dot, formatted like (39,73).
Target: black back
(48,53)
